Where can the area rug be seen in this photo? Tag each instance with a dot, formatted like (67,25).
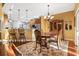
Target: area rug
(28,49)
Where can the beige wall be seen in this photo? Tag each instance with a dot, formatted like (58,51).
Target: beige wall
(0,9)
(67,16)
(28,34)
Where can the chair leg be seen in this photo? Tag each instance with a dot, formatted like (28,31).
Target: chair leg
(36,46)
(40,48)
(47,49)
(58,46)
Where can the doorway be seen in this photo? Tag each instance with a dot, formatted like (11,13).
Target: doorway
(77,31)
(77,28)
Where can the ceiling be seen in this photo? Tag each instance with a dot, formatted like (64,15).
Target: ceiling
(35,9)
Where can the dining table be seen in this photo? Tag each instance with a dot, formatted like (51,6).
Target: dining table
(48,35)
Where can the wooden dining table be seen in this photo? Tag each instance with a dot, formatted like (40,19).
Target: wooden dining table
(45,37)
(48,35)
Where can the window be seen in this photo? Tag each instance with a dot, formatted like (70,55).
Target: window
(68,25)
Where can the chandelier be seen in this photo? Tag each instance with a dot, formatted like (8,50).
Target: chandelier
(48,17)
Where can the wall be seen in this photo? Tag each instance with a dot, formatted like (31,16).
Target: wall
(67,16)
(0,9)
(28,34)
(45,25)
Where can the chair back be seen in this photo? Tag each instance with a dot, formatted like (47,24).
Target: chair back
(21,33)
(38,35)
(11,30)
(12,34)
(60,36)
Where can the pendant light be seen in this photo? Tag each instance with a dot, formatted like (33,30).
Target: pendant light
(18,14)
(48,15)
(10,18)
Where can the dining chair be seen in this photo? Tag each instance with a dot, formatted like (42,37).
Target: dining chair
(12,34)
(21,33)
(56,38)
(40,40)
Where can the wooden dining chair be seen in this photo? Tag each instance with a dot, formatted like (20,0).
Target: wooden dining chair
(21,33)
(56,38)
(12,34)
(40,40)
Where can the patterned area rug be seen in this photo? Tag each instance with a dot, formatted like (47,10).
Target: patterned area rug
(28,49)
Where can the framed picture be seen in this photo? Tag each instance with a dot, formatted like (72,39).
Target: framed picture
(68,25)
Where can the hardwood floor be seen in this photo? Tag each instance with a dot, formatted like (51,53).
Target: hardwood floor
(72,50)
(26,50)
(2,52)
